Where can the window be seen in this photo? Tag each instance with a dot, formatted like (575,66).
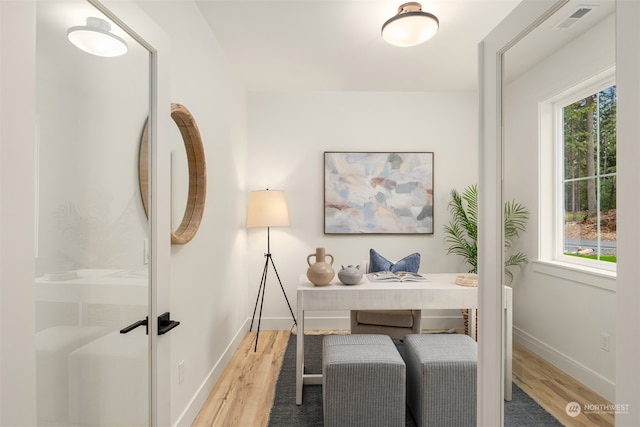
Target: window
(587,179)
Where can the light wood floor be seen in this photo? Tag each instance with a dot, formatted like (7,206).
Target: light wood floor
(244,393)
(553,389)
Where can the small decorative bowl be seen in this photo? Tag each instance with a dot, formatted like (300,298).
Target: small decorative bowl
(350,275)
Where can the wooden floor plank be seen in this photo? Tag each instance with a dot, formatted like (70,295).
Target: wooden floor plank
(244,393)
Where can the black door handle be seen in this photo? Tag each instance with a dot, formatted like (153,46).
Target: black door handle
(134,325)
(165,324)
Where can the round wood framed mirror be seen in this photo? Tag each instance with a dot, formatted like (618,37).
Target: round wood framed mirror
(196,196)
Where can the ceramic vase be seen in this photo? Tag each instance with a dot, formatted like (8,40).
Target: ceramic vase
(320,272)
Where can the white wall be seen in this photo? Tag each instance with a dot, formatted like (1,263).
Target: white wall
(17,132)
(628,292)
(208,275)
(288,133)
(558,314)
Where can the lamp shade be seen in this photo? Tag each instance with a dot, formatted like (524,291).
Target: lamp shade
(97,39)
(267,208)
(410,27)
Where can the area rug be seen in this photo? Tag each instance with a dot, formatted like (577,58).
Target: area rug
(522,411)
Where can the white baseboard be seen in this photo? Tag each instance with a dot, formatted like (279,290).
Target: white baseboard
(596,382)
(197,401)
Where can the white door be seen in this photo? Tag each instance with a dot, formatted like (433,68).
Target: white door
(92,237)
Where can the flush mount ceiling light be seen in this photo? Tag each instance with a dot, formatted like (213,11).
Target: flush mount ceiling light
(96,38)
(410,27)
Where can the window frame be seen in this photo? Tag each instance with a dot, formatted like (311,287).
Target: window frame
(552,212)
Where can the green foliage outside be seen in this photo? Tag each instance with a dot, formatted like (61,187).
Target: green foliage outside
(590,153)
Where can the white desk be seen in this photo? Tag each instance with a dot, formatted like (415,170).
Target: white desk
(440,292)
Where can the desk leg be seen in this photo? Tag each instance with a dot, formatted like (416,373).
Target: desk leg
(508,342)
(299,355)
(472,323)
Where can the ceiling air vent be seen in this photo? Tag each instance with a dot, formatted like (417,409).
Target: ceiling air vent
(575,16)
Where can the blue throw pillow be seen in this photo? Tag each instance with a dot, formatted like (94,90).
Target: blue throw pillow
(377,262)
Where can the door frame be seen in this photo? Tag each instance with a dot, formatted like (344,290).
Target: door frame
(526,16)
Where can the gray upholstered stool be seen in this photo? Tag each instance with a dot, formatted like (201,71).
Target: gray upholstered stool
(441,379)
(364,381)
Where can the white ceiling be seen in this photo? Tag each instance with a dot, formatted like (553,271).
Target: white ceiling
(335,45)
(554,33)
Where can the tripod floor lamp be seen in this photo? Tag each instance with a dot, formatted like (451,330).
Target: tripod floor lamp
(267,208)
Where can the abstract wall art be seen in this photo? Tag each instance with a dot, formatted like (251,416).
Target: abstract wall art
(378,192)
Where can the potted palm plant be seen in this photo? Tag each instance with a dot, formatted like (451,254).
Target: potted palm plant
(461,234)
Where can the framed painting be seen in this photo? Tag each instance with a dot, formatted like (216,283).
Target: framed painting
(378,192)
